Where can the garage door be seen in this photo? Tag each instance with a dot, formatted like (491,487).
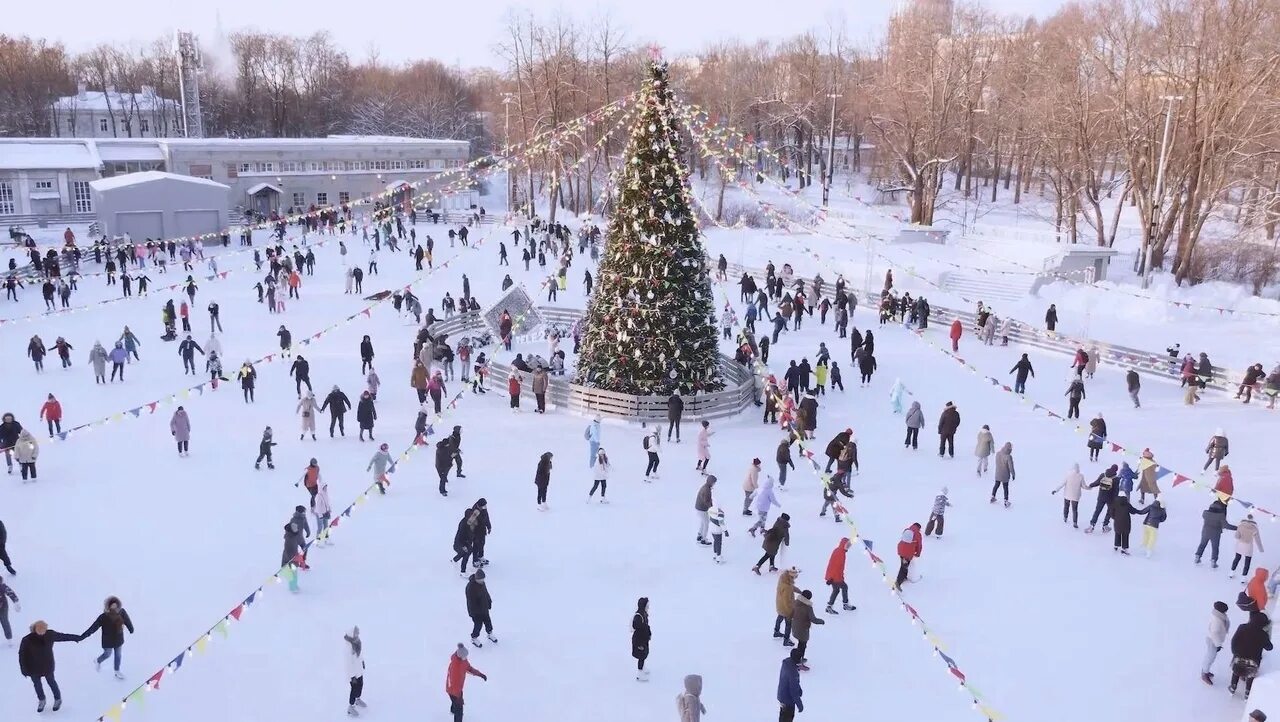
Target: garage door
(140,225)
(195,222)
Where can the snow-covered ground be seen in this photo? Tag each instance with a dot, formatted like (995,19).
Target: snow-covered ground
(1047,622)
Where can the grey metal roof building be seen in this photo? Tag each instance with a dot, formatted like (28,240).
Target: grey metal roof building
(154,204)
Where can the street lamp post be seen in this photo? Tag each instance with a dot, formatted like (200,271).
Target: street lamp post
(831,152)
(506,147)
(1148,245)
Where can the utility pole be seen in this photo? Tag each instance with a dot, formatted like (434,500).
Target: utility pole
(506,148)
(831,152)
(1148,245)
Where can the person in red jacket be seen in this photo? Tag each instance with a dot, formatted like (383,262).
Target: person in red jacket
(51,412)
(908,548)
(957,328)
(459,668)
(835,576)
(513,388)
(1225,483)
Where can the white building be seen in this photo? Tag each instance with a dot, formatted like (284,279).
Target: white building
(48,178)
(112,114)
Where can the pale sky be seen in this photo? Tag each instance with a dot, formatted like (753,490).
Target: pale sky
(460,33)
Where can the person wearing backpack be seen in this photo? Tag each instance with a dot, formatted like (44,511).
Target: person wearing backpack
(652,446)
(909,547)
(689,703)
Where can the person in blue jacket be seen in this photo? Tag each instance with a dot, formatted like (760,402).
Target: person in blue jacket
(789,691)
(1126,478)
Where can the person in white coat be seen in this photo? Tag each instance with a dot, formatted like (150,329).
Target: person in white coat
(653,447)
(985,448)
(321,509)
(1218,626)
(600,476)
(1071,488)
(749,486)
(1247,536)
(763,499)
(355,671)
(213,345)
(307,410)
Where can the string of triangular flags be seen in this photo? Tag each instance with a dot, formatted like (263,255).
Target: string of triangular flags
(286,573)
(700,118)
(978,700)
(542,142)
(205,278)
(199,389)
(1153,362)
(1161,471)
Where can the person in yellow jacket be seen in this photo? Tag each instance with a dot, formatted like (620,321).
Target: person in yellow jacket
(821,371)
(785,602)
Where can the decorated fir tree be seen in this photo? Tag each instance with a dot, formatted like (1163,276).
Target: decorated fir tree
(650,322)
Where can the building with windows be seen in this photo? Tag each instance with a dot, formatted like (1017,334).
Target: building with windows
(113,114)
(48,178)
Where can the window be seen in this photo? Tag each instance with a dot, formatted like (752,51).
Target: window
(322,199)
(344,197)
(379,165)
(359,165)
(455,163)
(232,171)
(102,124)
(417,164)
(299,199)
(145,125)
(267,166)
(200,170)
(397,165)
(246,167)
(44,185)
(291,166)
(437,163)
(7,207)
(84,201)
(315,166)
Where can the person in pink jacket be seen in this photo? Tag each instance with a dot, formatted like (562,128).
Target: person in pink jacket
(704,446)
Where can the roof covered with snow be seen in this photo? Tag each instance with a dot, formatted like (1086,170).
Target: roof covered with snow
(47,154)
(113,100)
(150,176)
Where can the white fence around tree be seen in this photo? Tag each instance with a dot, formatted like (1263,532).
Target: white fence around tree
(739,391)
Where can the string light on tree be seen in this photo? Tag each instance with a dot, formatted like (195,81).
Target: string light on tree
(650,322)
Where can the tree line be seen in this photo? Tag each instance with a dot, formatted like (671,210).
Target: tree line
(1065,116)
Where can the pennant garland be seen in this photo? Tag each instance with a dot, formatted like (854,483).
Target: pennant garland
(1149,362)
(865,545)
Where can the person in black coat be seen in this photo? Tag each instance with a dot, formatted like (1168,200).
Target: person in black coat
(462,540)
(4,555)
(366,414)
(855,343)
(1023,368)
(478,605)
(640,636)
(835,446)
(366,355)
(113,621)
(301,373)
(1051,317)
(542,478)
(455,446)
(792,377)
(866,365)
(1075,393)
(35,660)
(675,409)
(337,403)
(1247,645)
(948,425)
(444,461)
(479,532)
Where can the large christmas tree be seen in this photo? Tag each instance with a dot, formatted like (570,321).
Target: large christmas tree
(650,322)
